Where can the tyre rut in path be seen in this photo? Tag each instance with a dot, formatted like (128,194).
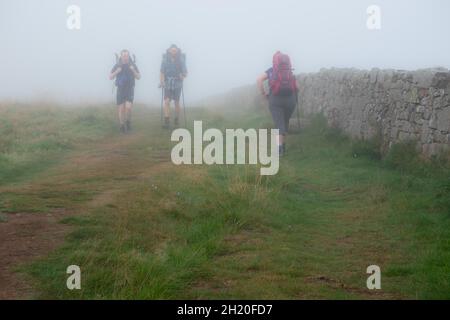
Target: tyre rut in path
(27,236)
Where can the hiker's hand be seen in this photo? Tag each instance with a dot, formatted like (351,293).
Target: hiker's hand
(132,68)
(161,84)
(119,69)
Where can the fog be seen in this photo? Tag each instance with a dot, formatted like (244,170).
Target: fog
(227,42)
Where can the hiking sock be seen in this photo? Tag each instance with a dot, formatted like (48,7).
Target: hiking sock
(128,120)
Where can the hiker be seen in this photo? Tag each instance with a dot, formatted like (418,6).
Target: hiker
(125,72)
(173,72)
(282,95)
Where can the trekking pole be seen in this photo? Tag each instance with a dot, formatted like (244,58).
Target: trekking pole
(162,101)
(184,106)
(298,112)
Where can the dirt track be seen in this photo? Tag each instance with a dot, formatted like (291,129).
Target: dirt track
(23,238)
(27,236)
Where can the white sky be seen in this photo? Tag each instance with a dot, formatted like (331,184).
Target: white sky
(228,42)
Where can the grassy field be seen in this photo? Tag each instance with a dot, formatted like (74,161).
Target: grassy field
(142,228)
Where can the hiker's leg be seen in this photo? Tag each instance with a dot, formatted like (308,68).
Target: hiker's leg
(167,98)
(167,107)
(177,111)
(278,116)
(128,106)
(122,117)
(128,96)
(277,113)
(176,98)
(120,104)
(121,113)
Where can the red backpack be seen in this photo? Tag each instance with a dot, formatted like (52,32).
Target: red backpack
(282,82)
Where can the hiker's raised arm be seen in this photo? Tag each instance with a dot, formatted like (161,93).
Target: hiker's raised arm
(135,71)
(162,79)
(260,83)
(115,71)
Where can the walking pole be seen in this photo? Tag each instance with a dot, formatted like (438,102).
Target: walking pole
(298,112)
(162,100)
(184,106)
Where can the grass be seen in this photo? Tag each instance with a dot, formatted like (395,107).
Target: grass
(33,138)
(157,231)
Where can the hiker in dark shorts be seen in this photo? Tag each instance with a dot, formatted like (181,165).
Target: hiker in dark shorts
(282,95)
(173,72)
(125,72)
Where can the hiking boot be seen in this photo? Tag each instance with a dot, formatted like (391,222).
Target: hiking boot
(122,128)
(166,123)
(128,126)
(176,122)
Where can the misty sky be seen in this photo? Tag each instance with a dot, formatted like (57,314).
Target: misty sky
(228,42)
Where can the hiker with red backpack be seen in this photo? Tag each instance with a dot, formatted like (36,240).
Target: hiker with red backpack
(282,95)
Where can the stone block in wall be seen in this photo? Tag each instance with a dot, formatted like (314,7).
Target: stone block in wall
(433,121)
(439,137)
(441,80)
(403,115)
(418,118)
(411,95)
(404,136)
(395,94)
(423,78)
(386,75)
(373,75)
(443,120)
(420,109)
(394,84)
(426,136)
(405,125)
(427,113)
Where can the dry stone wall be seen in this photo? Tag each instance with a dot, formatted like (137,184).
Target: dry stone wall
(394,105)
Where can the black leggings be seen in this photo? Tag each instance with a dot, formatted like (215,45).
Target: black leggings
(282,108)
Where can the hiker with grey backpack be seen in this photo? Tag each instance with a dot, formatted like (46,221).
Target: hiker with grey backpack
(173,73)
(125,72)
(282,95)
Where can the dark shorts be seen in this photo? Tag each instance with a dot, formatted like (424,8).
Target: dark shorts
(281,108)
(125,94)
(172,94)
